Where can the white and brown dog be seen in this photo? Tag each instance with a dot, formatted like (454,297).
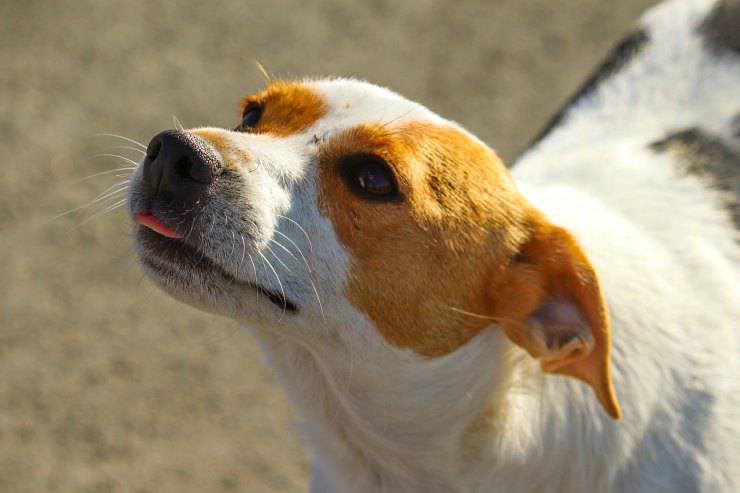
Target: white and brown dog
(423,307)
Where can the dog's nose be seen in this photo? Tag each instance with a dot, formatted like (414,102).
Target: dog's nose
(179,167)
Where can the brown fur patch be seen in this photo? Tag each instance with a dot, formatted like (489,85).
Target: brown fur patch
(420,263)
(287,108)
(461,251)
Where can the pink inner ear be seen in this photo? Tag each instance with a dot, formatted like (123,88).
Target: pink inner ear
(562,330)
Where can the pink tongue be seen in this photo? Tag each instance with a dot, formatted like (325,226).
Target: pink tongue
(153,223)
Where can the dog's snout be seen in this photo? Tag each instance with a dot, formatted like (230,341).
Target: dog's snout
(179,167)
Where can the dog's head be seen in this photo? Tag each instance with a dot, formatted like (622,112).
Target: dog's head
(337,209)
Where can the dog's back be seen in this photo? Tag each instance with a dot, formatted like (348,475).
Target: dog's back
(649,152)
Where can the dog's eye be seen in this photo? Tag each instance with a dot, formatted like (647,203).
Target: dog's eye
(370,177)
(251,117)
(374,178)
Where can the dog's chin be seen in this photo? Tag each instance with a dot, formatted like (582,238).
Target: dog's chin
(190,276)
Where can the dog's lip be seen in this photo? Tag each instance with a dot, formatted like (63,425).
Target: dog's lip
(156,246)
(152,222)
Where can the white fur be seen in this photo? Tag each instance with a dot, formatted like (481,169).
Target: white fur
(484,418)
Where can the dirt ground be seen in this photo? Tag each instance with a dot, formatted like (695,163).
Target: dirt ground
(107,385)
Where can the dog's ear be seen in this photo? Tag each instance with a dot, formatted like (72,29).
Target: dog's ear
(549,302)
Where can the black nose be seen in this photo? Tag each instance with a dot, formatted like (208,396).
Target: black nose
(179,167)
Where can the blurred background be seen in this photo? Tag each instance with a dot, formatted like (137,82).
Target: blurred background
(106,384)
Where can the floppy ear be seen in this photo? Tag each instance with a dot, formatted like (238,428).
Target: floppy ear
(549,302)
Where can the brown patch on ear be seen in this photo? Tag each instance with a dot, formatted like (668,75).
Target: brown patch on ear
(549,302)
(287,108)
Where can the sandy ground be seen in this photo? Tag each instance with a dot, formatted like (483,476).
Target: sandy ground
(106,385)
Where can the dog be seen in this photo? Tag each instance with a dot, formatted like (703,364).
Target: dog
(443,323)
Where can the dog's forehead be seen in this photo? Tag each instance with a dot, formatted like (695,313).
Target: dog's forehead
(324,108)
(352,102)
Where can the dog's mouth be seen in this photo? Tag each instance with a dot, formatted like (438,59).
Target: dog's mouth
(169,256)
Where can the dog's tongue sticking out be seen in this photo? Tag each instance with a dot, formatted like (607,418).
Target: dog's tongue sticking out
(151,222)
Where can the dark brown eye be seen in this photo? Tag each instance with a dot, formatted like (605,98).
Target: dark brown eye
(251,117)
(370,177)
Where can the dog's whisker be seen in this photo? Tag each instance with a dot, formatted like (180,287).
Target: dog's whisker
(393,120)
(318,299)
(113,193)
(177,124)
(254,268)
(121,185)
(485,317)
(310,246)
(251,260)
(204,237)
(272,252)
(131,161)
(106,210)
(100,198)
(309,273)
(293,243)
(244,251)
(273,240)
(107,172)
(263,71)
(192,226)
(233,243)
(129,148)
(79,208)
(117,202)
(282,290)
(127,139)
(471,314)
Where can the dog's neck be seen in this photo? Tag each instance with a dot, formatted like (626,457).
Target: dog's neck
(438,425)
(483,415)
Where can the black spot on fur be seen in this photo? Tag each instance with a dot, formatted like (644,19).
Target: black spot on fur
(709,157)
(618,57)
(721,29)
